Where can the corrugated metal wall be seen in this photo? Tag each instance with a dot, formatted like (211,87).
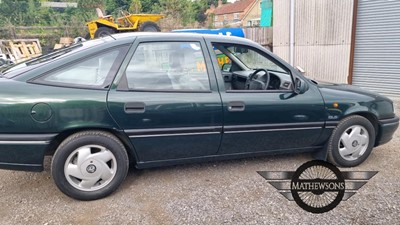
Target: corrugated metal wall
(377,46)
(322,36)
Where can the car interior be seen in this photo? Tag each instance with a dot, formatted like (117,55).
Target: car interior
(239,67)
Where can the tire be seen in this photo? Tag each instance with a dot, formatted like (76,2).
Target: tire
(351,141)
(3,62)
(87,37)
(103,32)
(149,26)
(89,165)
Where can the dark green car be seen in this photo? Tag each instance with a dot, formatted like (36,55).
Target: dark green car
(165,99)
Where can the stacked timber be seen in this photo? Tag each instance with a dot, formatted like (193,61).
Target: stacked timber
(19,50)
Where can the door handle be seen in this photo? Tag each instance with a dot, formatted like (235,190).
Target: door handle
(236,106)
(135,107)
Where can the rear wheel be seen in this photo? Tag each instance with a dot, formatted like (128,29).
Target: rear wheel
(88,37)
(2,62)
(149,26)
(351,142)
(103,32)
(89,165)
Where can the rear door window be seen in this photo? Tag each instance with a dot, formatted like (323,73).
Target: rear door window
(169,66)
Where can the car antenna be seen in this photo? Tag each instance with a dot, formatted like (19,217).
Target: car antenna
(111,36)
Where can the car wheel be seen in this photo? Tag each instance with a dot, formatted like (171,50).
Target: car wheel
(103,32)
(351,141)
(2,62)
(90,165)
(88,37)
(149,26)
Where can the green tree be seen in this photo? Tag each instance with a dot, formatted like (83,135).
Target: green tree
(135,7)
(147,5)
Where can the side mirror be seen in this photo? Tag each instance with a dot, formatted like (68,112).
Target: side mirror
(226,67)
(300,86)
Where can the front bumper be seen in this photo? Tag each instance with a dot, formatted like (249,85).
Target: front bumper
(387,127)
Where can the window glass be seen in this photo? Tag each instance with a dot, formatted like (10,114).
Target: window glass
(222,58)
(238,63)
(89,72)
(253,59)
(168,66)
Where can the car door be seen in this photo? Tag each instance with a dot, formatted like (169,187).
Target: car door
(274,119)
(167,99)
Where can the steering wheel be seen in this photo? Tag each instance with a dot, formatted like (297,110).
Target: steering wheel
(254,82)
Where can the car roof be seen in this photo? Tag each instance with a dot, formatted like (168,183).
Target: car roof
(172,35)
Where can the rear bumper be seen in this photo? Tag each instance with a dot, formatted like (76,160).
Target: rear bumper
(20,156)
(24,151)
(387,127)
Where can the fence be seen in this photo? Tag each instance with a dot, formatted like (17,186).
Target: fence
(261,35)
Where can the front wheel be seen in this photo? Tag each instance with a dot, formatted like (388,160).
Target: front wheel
(89,165)
(351,141)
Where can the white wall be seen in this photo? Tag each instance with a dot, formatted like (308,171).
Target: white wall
(322,36)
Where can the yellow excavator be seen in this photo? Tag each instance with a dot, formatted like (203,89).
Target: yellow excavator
(105,24)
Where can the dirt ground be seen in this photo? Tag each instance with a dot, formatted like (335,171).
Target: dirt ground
(229,192)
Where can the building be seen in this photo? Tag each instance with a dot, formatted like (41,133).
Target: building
(346,41)
(233,14)
(253,15)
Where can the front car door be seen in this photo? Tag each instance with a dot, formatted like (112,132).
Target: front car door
(167,100)
(265,114)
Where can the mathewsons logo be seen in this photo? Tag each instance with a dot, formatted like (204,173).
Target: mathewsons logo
(317,186)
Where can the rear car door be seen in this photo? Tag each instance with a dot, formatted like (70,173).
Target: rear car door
(167,100)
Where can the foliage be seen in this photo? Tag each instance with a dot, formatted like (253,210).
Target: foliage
(135,7)
(30,12)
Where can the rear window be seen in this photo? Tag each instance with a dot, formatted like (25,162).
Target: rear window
(20,68)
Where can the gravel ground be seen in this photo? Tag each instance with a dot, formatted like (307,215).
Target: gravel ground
(229,192)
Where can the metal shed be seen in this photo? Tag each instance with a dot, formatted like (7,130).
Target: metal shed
(346,41)
(376,64)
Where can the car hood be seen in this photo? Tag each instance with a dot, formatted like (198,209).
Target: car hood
(349,89)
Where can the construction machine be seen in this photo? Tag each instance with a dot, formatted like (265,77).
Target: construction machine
(127,22)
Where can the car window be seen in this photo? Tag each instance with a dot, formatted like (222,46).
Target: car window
(19,68)
(253,59)
(168,66)
(91,71)
(239,62)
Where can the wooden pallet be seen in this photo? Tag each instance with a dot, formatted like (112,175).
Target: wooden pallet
(19,50)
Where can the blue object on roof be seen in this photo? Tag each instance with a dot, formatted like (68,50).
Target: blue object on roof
(238,32)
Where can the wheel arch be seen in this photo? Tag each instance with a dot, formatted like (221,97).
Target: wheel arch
(107,24)
(371,117)
(56,141)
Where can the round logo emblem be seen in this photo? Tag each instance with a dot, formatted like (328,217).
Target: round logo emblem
(91,168)
(317,186)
